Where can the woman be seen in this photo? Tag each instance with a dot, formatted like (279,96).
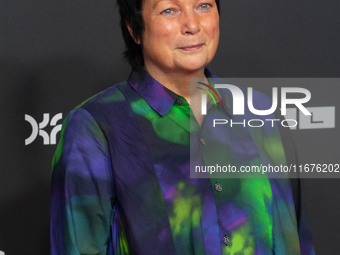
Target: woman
(121,181)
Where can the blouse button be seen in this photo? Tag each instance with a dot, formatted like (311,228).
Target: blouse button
(179,101)
(226,240)
(202,141)
(218,187)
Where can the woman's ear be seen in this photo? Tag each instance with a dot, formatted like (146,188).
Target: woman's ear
(137,40)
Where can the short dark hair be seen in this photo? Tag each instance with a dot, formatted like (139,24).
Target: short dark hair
(131,12)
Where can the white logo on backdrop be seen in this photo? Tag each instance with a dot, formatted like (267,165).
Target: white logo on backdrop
(322,117)
(38,129)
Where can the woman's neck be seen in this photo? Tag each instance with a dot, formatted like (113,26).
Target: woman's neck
(177,82)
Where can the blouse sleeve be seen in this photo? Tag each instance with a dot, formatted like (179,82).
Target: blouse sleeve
(82,191)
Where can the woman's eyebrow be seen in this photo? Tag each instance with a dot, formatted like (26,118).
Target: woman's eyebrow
(157,2)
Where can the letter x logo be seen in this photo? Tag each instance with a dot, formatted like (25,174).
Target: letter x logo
(38,129)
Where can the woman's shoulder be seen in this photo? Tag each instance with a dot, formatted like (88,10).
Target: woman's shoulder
(110,95)
(109,104)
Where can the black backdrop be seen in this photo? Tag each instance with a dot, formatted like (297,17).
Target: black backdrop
(55,54)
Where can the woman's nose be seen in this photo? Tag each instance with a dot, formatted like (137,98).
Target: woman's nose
(190,22)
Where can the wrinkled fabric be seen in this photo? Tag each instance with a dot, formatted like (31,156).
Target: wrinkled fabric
(121,182)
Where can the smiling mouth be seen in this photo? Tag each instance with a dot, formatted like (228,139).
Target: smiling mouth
(194,47)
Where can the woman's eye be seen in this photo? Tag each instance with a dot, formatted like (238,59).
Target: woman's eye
(168,11)
(205,6)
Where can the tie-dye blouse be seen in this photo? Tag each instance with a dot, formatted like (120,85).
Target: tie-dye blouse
(121,183)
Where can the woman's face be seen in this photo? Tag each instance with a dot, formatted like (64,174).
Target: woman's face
(179,35)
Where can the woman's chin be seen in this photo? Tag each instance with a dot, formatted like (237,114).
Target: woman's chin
(193,64)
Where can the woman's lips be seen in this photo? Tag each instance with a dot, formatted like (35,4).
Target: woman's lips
(194,47)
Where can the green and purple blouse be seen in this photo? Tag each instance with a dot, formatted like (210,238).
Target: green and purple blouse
(121,182)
